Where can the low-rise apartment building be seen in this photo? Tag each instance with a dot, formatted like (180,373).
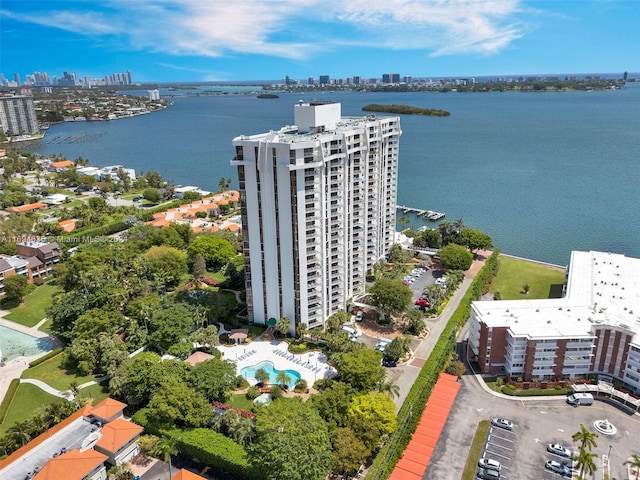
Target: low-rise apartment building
(593,329)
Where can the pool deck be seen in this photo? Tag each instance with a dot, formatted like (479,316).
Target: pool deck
(14,368)
(310,365)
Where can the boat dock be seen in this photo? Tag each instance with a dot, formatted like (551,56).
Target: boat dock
(429,214)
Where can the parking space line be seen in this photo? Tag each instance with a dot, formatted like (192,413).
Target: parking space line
(501,446)
(497,454)
(501,438)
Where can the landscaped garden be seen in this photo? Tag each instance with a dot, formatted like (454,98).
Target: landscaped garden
(26,400)
(54,374)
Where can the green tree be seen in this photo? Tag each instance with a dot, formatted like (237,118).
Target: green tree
(199,268)
(390,296)
(283,378)
(175,403)
(333,403)
(151,195)
(361,369)
(213,378)
(414,322)
(375,406)
(261,376)
(398,255)
(455,257)
(586,438)
(169,261)
(292,442)
(456,368)
(585,462)
(283,325)
(205,336)
(15,288)
(397,348)
(216,251)
(475,239)
(170,325)
(429,238)
(334,321)
(390,389)
(349,452)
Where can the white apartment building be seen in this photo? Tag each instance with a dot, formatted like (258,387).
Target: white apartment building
(318,206)
(595,328)
(18,115)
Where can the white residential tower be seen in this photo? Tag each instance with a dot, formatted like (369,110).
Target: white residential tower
(318,210)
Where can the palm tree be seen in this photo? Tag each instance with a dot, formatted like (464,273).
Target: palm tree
(585,462)
(261,376)
(404,221)
(391,388)
(634,462)
(244,432)
(283,325)
(586,438)
(283,378)
(303,329)
(166,447)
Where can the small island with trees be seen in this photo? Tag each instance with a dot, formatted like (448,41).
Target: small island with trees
(406,109)
(268,95)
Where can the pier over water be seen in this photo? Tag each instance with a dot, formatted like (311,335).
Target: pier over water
(429,214)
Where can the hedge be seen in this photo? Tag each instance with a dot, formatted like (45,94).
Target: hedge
(8,398)
(46,357)
(206,446)
(413,406)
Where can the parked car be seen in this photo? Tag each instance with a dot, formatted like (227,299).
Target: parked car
(387,362)
(489,464)
(558,449)
(422,302)
(359,316)
(486,474)
(502,423)
(558,467)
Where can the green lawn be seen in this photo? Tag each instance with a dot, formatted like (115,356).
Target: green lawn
(241,401)
(27,399)
(52,373)
(477,446)
(97,392)
(31,311)
(513,274)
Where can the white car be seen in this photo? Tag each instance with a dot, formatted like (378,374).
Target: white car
(558,449)
(489,464)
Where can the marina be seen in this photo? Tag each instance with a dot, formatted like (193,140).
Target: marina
(428,214)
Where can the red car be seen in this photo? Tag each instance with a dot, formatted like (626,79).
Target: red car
(422,302)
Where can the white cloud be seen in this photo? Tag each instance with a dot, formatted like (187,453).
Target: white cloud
(290,28)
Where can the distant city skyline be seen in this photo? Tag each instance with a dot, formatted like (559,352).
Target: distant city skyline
(191,40)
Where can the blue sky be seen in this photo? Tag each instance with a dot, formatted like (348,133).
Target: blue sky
(213,40)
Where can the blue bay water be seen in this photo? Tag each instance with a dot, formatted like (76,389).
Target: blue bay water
(542,173)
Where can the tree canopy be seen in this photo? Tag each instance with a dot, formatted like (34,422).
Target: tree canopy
(292,442)
(455,257)
(215,250)
(361,369)
(390,296)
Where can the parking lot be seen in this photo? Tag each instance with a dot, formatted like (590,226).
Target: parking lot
(536,423)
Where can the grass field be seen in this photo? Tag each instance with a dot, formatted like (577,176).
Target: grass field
(97,392)
(514,273)
(477,446)
(52,373)
(31,311)
(27,399)
(241,401)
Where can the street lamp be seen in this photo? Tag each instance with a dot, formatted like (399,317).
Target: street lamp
(609,454)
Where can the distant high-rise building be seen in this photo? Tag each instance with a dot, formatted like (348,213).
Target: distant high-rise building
(311,81)
(129,81)
(18,115)
(324,80)
(16,78)
(153,94)
(356,80)
(318,204)
(407,79)
(395,78)
(386,78)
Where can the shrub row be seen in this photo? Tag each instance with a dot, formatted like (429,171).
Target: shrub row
(46,357)
(537,392)
(206,446)
(413,406)
(8,398)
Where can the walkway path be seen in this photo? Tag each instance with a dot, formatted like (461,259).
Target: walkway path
(44,386)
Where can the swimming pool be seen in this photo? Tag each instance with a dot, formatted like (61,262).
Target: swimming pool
(249,373)
(14,344)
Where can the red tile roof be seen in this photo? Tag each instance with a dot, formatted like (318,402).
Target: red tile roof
(187,475)
(107,408)
(117,434)
(73,465)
